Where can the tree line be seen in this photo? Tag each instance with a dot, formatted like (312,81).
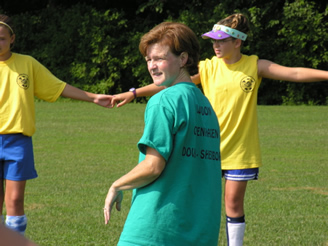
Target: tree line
(93,44)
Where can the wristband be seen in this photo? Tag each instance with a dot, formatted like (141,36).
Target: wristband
(133,90)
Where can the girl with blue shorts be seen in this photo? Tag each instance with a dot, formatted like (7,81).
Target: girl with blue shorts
(21,79)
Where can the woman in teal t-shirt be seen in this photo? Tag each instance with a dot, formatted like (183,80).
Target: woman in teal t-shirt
(177,183)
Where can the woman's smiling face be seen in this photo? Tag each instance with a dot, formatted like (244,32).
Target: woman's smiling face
(163,65)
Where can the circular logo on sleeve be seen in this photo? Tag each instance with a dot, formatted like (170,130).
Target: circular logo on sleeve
(247,84)
(23,81)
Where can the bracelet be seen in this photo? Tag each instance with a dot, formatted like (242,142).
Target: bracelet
(133,90)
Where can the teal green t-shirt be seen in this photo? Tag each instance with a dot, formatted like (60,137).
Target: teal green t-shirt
(183,206)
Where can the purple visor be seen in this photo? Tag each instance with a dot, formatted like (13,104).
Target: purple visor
(221,32)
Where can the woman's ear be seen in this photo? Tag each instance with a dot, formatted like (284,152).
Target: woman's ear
(183,59)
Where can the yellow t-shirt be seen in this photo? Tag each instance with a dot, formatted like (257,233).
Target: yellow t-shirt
(21,78)
(232,90)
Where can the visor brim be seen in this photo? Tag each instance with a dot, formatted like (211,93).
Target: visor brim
(217,35)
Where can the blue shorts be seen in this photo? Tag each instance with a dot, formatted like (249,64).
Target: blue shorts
(241,174)
(16,157)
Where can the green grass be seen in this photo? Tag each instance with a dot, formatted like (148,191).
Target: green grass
(80,149)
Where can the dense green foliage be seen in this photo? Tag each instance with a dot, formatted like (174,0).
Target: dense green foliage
(94,44)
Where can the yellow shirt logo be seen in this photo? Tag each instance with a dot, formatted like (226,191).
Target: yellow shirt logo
(23,81)
(247,84)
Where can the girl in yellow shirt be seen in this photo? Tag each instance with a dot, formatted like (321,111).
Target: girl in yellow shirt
(22,78)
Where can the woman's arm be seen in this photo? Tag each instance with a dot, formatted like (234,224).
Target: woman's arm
(126,97)
(78,94)
(141,175)
(271,70)
(144,173)
(148,90)
(196,79)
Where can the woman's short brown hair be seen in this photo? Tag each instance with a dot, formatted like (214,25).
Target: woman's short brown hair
(179,37)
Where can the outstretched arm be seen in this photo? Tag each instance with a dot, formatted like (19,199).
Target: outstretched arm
(141,175)
(126,97)
(196,79)
(271,70)
(78,94)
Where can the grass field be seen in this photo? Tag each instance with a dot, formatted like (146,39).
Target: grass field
(80,149)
